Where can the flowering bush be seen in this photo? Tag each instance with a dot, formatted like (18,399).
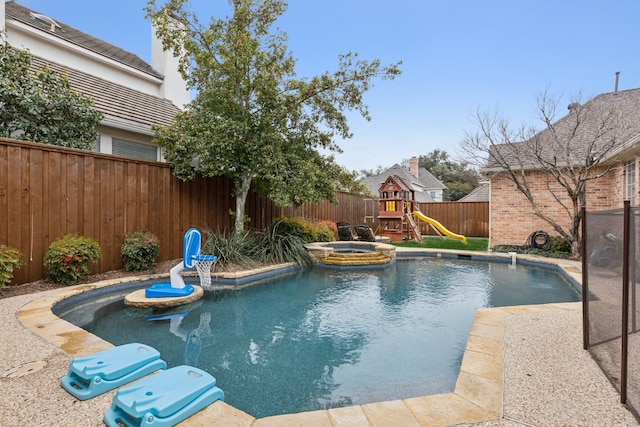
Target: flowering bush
(9,260)
(139,250)
(68,258)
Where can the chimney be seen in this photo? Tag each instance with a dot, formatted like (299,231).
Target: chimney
(615,90)
(174,87)
(413,166)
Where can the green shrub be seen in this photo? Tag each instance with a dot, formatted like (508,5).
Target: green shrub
(326,231)
(9,261)
(552,252)
(139,250)
(308,231)
(558,244)
(68,258)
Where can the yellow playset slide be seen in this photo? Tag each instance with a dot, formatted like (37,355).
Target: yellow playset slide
(439,227)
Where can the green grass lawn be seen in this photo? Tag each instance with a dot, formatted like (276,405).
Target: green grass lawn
(435,242)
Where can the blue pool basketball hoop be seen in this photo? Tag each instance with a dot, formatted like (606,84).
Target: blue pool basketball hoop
(191,258)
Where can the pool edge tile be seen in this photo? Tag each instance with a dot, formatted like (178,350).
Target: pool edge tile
(37,317)
(392,413)
(483,365)
(483,392)
(302,419)
(441,410)
(348,416)
(223,414)
(485,345)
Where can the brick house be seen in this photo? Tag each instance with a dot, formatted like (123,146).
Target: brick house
(600,138)
(132,94)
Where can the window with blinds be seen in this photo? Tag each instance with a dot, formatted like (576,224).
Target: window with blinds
(630,175)
(136,150)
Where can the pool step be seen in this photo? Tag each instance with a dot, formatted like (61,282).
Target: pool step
(362,258)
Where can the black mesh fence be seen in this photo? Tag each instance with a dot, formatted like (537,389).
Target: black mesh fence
(610,294)
(633,332)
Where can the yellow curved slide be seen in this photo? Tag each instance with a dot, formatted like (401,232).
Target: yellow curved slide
(439,227)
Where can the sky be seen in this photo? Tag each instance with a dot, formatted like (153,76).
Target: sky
(458,57)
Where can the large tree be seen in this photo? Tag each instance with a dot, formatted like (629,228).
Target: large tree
(252,119)
(563,156)
(39,105)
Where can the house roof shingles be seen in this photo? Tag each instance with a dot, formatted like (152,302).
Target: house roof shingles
(479,194)
(603,119)
(86,41)
(117,102)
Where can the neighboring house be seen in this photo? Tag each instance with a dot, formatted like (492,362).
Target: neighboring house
(481,193)
(616,146)
(426,187)
(132,94)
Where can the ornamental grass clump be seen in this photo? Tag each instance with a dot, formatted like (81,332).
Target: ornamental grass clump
(279,244)
(139,250)
(68,258)
(230,248)
(10,259)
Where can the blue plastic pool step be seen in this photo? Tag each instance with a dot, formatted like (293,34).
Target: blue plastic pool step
(163,399)
(108,369)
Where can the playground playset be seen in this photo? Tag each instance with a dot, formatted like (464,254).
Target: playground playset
(397,209)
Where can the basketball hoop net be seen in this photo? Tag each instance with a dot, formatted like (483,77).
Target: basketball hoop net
(203,266)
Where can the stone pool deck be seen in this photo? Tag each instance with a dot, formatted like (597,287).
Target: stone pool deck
(523,366)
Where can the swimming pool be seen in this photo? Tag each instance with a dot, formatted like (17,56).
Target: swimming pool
(326,338)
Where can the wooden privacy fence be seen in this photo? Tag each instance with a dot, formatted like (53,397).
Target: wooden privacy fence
(471,219)
(48,191)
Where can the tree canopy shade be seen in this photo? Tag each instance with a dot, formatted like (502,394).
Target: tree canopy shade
(252,119)
(40,106)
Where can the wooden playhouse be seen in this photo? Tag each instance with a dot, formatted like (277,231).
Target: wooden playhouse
(396,203)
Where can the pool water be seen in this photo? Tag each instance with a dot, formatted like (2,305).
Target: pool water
(328,338)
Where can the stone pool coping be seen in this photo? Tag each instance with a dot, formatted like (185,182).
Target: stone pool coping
(477,398)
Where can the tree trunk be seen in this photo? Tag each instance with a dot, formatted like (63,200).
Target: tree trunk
(241,191)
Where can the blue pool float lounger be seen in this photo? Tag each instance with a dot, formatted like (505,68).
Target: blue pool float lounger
(164,399)
(109,369)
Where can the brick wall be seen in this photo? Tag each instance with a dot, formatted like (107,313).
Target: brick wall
(512,217)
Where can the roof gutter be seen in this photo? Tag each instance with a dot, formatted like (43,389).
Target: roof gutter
(611,156)
(140,129)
